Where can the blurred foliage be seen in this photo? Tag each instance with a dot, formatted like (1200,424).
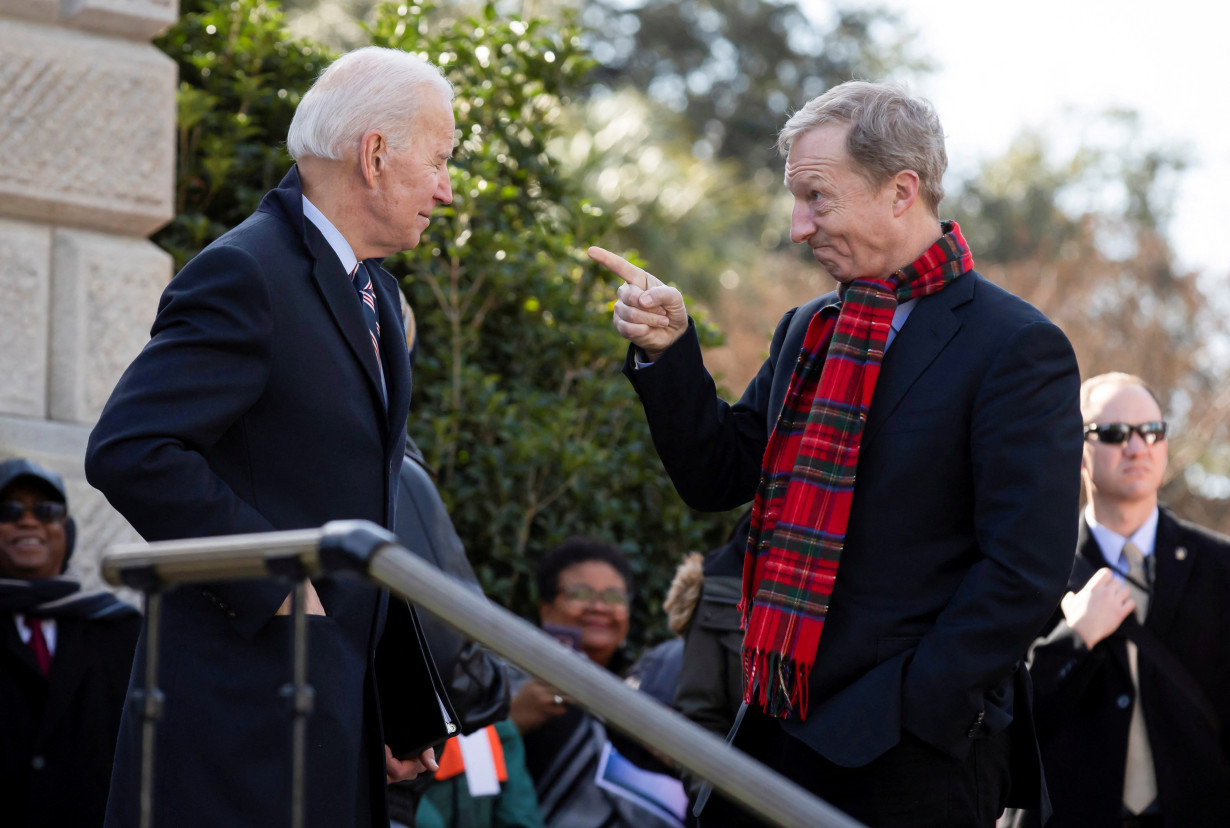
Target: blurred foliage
(1083,236)
(240,77)
(736,69)
(694,222)
(519,403)
(697,91)
(674,131)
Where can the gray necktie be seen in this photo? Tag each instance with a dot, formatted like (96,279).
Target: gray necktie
(1139,778)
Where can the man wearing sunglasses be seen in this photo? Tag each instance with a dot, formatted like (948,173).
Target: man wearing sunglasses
(1132,685)
(65,656)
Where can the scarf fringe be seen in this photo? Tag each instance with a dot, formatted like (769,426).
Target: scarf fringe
(778,684)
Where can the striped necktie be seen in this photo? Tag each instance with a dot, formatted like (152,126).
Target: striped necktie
(363,286)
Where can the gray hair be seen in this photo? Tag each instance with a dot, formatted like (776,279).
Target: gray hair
(368,88)
(890,131)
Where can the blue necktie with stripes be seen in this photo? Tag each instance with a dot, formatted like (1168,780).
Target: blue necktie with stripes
(367,300)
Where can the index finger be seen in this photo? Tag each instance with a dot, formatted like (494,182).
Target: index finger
(621,267)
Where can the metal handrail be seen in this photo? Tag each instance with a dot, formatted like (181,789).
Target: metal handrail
(365,548)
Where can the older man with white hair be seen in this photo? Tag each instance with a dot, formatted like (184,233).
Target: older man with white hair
(273,394)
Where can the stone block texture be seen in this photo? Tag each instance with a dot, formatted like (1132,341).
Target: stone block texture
(46,11)
(61,447)
(25,265)
(87,130)
(104,294)
(141,19)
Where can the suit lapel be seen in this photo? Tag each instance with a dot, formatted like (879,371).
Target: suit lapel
(1089,558)
(1170,574)
(393,349)
(343,303)
(928,330)
(792,345)
(68,667)
(14,644)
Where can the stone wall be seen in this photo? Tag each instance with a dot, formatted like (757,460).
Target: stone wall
(87,166)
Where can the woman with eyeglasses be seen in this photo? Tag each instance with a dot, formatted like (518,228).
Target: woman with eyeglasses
(584,588)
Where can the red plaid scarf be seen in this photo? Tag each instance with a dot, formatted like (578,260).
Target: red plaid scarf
(802,507)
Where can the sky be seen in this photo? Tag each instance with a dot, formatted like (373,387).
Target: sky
(1002,67)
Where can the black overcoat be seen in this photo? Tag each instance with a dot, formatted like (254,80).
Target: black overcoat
(961,530)
(1085,696)
(58,731)
(257,406)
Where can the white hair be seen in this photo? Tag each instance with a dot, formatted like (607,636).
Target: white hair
(368,88)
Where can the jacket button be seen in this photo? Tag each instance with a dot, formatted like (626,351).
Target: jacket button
(1124,701)
(38,762)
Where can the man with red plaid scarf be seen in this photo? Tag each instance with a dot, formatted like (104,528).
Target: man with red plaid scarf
(912,450)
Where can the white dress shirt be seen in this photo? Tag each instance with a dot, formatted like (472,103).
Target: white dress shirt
(332,235)
(49,631)
(1112,544)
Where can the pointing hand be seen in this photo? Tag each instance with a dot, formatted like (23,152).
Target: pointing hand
(648,313)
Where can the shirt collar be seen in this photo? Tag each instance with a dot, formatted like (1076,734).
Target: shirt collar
(1111,543)
(332,235)
(24,632)
(899,316)
(902,313)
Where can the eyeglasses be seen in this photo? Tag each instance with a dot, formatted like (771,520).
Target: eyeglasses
(47,511)
(1116,433)
(611,596)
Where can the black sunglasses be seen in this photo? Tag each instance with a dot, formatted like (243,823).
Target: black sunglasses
(1116,433)
(48,511)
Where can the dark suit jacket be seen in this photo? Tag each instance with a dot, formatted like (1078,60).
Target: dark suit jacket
(257,406)
(59,731)
(962,524)
(1085,697)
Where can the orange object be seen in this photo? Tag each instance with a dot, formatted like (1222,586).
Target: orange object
(452,762)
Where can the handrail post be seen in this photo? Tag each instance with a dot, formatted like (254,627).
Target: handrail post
(151,700)
(367,549)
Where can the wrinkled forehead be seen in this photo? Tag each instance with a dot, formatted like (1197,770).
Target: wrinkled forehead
(820,150)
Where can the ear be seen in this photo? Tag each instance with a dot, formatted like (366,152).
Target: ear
(373,157)
(905,186)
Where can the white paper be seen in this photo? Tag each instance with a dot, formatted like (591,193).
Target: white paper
(481,775)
